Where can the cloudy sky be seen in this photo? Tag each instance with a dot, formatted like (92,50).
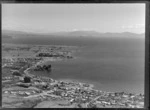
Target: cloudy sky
(70,17)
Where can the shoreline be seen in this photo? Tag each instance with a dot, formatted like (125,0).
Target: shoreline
(93,84)
(64,93)
(77,81)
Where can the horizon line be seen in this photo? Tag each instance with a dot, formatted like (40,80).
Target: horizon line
(70,31)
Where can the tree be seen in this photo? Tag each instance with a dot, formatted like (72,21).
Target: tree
(44,66)
(47,68)
(27,79)
(16,73)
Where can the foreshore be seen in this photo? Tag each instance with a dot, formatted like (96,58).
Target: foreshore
(50,93)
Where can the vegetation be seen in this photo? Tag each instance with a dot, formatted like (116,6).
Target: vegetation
(27,79)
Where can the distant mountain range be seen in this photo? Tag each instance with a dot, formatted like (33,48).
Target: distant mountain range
(63,38)
(73,33)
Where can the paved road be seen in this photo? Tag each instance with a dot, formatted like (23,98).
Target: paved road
(92,100)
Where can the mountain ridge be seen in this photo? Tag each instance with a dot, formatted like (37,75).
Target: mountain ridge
(71,38)
(79,33)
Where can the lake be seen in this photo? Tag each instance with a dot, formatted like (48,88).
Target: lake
(113,64)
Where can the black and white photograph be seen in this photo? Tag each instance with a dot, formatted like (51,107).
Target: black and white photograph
(73,55)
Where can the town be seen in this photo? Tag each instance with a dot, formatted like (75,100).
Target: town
(22,89)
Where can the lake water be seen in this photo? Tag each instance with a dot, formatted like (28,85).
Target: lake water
(111,65)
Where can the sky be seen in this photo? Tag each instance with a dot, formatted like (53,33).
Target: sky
(47,18)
